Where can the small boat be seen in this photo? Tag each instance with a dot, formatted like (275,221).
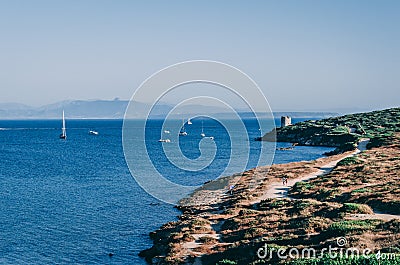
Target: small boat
(166,131)
(63,134)
(202,134)
(93,133)
(164,140)
(183,132)
(189,122)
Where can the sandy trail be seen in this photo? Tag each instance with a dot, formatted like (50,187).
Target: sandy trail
(375,215)
(278,190)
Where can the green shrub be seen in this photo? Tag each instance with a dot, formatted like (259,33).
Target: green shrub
(301,205)
(352,226)
(361,190)
(340,129)
(351,160)
(302,186)
(226,262)
(357,208)
(278,203)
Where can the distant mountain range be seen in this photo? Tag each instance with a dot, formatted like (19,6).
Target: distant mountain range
(115,109)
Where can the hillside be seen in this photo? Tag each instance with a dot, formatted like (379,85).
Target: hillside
(115,109)
(341,132)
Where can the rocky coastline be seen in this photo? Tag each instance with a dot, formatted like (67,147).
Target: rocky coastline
(358,200)
(341,132)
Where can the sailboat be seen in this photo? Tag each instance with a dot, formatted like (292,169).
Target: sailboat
(165,140)
(92,132)
(63,134)
(202,134)
(189,122)
(183,132)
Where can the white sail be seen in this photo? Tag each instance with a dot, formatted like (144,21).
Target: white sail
(64,131)
(63,128)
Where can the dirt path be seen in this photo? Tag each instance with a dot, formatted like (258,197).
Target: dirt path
(375,215)
(278,190)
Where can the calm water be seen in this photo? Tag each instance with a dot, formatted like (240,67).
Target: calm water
(75,201)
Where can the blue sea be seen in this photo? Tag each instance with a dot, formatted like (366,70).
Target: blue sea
(74,201)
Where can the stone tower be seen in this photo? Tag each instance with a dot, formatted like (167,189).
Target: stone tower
(285,121)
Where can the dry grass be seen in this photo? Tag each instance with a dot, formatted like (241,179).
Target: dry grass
(372,178)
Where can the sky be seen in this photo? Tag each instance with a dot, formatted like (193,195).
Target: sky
(304,55)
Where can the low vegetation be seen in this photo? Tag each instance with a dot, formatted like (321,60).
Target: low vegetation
(372,178)
(341,132)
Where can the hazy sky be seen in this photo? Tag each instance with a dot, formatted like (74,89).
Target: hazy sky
(305,55)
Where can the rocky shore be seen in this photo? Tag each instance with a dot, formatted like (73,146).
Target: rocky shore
(358,199)
(341,132)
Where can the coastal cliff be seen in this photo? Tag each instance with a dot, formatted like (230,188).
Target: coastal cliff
(357,199)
